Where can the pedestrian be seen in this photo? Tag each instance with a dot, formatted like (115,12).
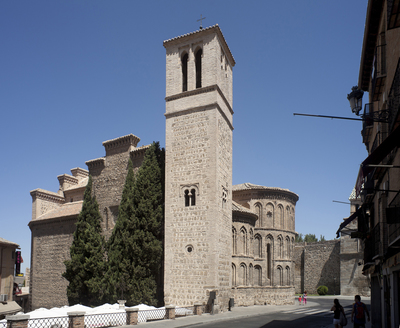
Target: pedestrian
(337,309)
(299,299)
(358,312)
(305,298)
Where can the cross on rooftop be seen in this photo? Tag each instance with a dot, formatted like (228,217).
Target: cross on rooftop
(201,21)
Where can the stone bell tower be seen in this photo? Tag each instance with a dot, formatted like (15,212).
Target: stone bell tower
(198,187)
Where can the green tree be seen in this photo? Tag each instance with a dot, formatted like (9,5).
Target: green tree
(310,238)
(86,268)
(299,238)
(120,245)
(136,247)
(322,238)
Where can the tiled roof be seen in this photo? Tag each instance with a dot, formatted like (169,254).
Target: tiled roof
(5,241)
(67,209)
(247,186)
(353,194)
(217,28)
(145,147)
(80,184)
(236,207)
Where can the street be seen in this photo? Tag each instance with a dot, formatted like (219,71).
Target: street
(317,315)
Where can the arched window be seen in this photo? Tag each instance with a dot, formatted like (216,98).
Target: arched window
(199,54)
(269,256)
(190,197)
(233,275)
(234,240)
(258,207)
(279,277)
(288,253)
(287,276)
(250,281)
(257,246)
(184,60)
(288,215)
(243,274)
(257,276)
(280,247)
(280,217)
(269,210)
(193,197)
(187,202)
(243,241)
(251,241)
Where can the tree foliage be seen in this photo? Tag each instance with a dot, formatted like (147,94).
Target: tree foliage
(308,238)
(135,249)
(86,268)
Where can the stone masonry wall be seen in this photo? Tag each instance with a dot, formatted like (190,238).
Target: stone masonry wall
(248,296)
(321,266)
(51,241)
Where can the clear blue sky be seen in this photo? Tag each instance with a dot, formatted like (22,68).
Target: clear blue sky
(76,73)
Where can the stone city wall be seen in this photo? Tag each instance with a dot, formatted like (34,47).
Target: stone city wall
(248,296)
(321,262)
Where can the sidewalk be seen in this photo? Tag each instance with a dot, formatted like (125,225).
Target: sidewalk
(240,313)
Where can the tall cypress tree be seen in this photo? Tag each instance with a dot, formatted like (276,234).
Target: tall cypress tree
(135,248)
(85,269)
(120,245)
(148,200)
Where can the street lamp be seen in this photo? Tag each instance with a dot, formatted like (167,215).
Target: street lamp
(355,99)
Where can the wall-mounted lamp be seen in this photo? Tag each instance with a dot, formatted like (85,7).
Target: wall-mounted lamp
(355,99)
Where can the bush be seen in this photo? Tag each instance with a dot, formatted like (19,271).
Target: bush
(322,290)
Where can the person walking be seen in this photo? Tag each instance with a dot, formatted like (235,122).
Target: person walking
(358,313)
(305,298)
(337,309)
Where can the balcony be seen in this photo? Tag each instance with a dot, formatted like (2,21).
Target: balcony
(394,97)
(369,250)
(380,239)
(393,218)
(368,192)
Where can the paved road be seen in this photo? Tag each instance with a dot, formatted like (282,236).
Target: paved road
(315,314)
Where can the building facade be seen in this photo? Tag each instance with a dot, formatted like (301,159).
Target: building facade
(378,183)
(221,241)
(263,233)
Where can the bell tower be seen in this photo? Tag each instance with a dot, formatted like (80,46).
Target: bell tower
(198,186)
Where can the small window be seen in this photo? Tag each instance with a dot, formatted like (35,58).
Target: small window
(193,197)
(184,72)
(190,197)
(199,55)
(187,198)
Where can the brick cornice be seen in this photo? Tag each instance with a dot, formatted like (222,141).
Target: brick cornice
(47,195)
(198,91)
(124,141)
(96,163)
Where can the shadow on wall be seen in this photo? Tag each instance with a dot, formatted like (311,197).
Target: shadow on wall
(330,273)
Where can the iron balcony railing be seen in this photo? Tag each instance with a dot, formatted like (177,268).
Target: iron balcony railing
(369,249)
(380,239)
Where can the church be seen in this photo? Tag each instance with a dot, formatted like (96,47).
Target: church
(222,241)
